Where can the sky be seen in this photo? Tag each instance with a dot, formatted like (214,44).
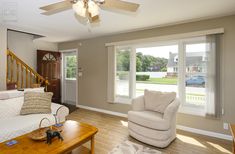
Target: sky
(163,51)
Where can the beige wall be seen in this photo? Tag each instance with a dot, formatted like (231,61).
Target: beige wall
(3,47)
(43,45)
(93,59)
(22,45)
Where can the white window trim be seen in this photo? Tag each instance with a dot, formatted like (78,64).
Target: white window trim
(70,79)
(168,37)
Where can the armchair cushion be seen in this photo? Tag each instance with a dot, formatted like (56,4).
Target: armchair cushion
(158,101)
(150,119)
(150,133)
(171,109)
(138,103)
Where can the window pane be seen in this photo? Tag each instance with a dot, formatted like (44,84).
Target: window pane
(122,71)
(71,73)
(71,63)
(195,79)
(157,69)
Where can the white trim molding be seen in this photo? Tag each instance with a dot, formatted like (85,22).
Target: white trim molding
(180,127)
(103,111)
(168,37)
(204,132)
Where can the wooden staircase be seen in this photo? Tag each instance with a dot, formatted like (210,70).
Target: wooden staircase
(21,75)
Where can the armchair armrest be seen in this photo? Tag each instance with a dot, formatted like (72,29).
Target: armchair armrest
(138,103)
(171,109)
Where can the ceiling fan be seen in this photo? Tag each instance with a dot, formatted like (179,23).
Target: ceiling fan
(89,8)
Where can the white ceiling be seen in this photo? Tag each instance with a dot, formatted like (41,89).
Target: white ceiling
(65,27)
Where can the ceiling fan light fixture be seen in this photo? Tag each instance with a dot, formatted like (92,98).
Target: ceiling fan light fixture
(99,1)
(88,9)
(79,8)
(93,8)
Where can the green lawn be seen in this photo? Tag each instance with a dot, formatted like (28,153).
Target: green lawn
(170,81)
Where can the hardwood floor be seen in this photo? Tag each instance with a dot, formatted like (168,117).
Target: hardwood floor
(72,108)
(113,131)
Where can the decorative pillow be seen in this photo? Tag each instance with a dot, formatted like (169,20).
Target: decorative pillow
(158,101)
(36,103)
(40,90)
(8,94)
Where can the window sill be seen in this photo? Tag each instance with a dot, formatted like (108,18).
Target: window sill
(192,111)
(70,79)
(120,100)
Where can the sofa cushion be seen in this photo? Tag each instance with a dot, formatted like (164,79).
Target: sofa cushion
(158,101)
(8,94)
(150,119)
(36,102)
(12,127)
(40,90)
(10,107)
(19,125)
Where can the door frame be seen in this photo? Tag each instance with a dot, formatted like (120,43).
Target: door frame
(62,73)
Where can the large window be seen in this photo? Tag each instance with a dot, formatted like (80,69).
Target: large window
(182,66)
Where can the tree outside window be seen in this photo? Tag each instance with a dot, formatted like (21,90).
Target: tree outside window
(71,63)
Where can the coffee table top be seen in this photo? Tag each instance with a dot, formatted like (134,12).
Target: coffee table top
(232,129)
(74,134)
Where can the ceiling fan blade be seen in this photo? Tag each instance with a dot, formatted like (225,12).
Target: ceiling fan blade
(56,6)
(51,12)
(121,5)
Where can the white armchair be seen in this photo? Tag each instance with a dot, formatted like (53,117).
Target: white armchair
(151,127)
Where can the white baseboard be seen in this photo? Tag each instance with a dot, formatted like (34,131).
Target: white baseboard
(204,132)
(103,111)
(180,127)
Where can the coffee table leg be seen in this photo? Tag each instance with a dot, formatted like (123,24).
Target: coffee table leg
(92,145)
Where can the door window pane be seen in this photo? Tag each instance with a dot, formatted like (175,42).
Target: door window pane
(195,74)
(70,68)
(123,72)
(157,69)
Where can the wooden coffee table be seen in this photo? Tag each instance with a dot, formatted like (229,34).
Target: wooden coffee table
(232,129)
(74,133)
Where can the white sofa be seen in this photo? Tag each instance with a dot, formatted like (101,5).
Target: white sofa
(12,124)
(151,127)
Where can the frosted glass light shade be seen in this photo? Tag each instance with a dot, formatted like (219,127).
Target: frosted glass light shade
(99,1)
(93,8)
(79,8)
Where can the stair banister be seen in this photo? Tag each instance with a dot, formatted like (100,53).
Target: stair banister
(21,68)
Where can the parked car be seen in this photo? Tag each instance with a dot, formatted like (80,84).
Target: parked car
(196,81)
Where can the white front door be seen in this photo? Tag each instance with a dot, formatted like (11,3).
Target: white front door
(69,85)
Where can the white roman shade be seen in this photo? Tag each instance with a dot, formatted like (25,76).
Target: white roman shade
(213,105)
(111,74)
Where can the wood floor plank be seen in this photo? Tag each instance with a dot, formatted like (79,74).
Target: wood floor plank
(113,130)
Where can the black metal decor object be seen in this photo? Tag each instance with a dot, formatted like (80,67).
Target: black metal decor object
(52,134)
